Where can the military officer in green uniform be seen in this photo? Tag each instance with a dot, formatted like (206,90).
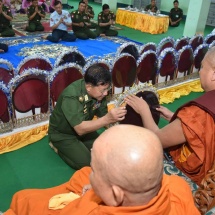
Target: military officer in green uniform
(175,15)
(105,19)
(81,23)
(5,19)
(90,12)
(71,128)
(35,14)
(152,7)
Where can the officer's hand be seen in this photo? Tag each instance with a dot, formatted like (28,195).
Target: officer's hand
(61,20)
(112,22)
(36,9)
(81,24)
(116,114)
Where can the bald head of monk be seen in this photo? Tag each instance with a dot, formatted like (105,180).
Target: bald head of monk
(207,71)
(127,166)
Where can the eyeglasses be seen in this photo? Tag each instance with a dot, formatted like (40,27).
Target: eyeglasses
(105,90)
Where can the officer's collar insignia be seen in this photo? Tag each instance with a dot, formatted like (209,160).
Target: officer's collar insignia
(81,99)
(86,98)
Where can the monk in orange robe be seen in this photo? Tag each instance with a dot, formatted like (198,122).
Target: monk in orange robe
(126,177)
(190,137)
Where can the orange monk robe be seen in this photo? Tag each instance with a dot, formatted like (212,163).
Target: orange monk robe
(174,198)
(197,156)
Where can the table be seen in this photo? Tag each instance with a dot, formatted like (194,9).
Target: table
(144,22)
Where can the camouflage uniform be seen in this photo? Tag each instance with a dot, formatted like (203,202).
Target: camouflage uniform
(90,11)
(5,25)
(82,32)
(175,15)
(103,18)
(35,24)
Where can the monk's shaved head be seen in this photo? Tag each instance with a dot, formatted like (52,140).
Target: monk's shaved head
(207,71)
(130,158)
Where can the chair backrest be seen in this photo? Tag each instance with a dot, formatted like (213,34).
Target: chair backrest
(212,44)
(35,61)
(167,42)
(103,63)
(185,59)
(147,67)
(195,41)
(6,71)
(30,91)
(4,103)
(180,43)
(147,47)
(209,38)
(167,63)
(130,48)
(199,54)
(71,56)
(61,77)
(124,71)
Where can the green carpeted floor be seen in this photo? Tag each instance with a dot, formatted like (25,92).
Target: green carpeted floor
(36,165)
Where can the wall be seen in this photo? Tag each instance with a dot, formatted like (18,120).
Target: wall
(128,2)
(167,5)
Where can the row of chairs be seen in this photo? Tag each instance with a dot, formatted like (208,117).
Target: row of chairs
(36,85)
(7,70)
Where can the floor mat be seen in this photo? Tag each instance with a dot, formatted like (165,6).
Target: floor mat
(19,29)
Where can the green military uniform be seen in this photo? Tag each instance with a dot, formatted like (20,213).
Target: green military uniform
(91,11)
(82,32)
(74,106)
(5,25)
(150,7)
(105,18)
(35,24)
(175,15)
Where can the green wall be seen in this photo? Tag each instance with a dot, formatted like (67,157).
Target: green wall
(166,5)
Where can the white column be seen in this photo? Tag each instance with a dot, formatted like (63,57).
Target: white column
(196,17)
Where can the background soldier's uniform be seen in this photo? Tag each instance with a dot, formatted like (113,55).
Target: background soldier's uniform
(91,11)
(175,15)
(102,18)
(150,7)
(82,32)
(5,25)
(35,24)
(74,106)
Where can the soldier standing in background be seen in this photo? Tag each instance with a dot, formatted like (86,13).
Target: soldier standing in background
(105,19)
(35,13)
(5,19)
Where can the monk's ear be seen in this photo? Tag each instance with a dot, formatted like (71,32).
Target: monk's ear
(213,77)
(118,194)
